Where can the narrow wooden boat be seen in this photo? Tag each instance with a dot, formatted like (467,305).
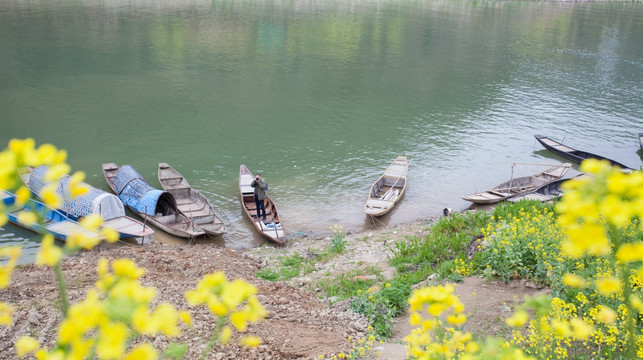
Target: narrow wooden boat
(54,222)
(518,186)
(546,192)
(95,201)
(574,155)
(155,206)
(388,189)
(641,140)
(191,202)
(271,228)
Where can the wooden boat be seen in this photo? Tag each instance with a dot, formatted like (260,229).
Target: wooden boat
(546,192)
(641,140)
(95,201)
(191,202)
(574,155)
(155,206)
(388,189)
(518,186)
(271,228)
(54,222)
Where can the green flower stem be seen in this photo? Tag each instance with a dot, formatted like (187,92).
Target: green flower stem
(62,288)
(631,312)
(214,338)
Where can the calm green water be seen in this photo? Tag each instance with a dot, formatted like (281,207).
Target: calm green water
(320,96)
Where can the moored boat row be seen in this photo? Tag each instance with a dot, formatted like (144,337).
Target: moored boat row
(183,211)
(544,186)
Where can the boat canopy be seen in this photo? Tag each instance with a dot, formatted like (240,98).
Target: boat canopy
(95,201)
(135,192)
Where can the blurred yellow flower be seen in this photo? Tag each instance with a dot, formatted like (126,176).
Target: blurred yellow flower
(518,319)
(26,345)
(224,336)
(49,254)
(250,341)
(6,313)
(573,280)
(630,252)
(608,286)
(27,217)
(144,351)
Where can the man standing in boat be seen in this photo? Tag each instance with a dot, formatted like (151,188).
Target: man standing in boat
(260,195)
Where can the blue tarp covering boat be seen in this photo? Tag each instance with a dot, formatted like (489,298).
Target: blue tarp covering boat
(155,206)
(136,193)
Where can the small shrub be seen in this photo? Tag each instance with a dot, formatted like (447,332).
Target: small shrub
(268,274)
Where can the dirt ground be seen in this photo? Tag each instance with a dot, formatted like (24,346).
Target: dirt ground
(300,324)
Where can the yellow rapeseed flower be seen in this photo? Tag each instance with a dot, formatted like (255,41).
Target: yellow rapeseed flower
(27,217)
(457,319)
(112,339)
(250,341)
(606,315)
(144,351)
(581,330)
(49,254)
(186,318)
(10,255)
(6,313)
(608,286)
(50,197)
(109,234)
(91,222)
(518,319)
(55,172)
(26,345)
(81,240)
(573,280)
(23,194)
(224,336)
(630,252)
(127,268)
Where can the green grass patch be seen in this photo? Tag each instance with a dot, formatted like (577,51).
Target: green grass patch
(381,304)
(290,267)
(448,238)
(345,285)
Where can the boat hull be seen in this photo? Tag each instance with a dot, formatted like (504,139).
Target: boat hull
(518,186)
(274,233)
(574,155)
(126,227)
(175,223)
(388,189)
(55,222)
(190,201)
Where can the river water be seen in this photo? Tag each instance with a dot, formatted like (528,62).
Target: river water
(320,96)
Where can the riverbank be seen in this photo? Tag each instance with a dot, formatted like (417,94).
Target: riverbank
(303,323)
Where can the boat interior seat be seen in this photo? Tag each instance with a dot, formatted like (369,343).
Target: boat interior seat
(372,203)
(254,212)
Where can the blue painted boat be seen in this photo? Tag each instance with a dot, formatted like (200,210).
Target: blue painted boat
(55,222)
(95,201)
(157,207)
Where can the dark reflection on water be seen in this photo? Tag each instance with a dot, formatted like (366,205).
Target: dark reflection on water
(321,96)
